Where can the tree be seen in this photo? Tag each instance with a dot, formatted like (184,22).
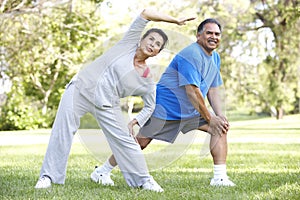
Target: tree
(281,18)
(47,41)
(262,71)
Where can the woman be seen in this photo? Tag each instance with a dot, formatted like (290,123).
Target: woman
(119,72)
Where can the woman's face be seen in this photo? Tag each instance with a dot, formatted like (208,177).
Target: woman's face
(151,44)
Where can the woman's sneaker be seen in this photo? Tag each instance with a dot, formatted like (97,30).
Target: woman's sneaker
(152,185)
(43,183)
(102,178)
(221,182)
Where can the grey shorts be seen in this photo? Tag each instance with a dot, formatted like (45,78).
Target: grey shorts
(168,130)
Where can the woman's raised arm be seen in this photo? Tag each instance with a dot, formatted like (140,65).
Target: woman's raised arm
(156,16)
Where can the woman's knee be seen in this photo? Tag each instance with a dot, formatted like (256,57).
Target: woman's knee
(143,142)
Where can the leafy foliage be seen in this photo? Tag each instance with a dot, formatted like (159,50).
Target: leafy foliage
(47,42)
(259,51)
(45,48)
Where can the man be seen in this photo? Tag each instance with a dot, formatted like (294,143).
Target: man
(193,74)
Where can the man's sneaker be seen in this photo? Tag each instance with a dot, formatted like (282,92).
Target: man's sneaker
(152,185)
(43,183)
(102,178)
(221,182)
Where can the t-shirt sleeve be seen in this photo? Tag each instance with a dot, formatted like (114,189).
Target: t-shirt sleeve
(217,81)
(218,78)
(187,73)
(135,30)
(149,105)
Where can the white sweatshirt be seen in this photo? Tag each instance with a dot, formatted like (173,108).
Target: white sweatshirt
(113,76)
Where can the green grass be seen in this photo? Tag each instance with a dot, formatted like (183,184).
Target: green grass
(263,160)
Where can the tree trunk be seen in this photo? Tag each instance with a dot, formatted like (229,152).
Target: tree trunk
(45,102)
(280,111)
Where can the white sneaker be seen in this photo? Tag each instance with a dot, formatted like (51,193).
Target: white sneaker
(43,183)
(221,182)
(152,185)
(102,178)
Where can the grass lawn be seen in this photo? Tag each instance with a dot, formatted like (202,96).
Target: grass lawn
(263,160)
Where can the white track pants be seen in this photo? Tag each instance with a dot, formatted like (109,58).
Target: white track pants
(126,151)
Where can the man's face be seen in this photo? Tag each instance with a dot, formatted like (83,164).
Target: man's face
(152,44)
(210,38)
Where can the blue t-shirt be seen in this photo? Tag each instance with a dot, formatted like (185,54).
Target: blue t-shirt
(191,66)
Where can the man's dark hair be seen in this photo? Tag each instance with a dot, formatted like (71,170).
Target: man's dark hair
(161,33)
(206,21)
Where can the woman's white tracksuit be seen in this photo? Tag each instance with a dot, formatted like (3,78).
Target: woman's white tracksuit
(97,89)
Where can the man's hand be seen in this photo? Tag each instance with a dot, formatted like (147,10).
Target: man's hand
(218,125)
(226,122)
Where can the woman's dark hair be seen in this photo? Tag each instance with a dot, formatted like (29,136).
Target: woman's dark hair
(209,20)
(161,33)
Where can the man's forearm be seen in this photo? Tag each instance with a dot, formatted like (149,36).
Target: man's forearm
(202,109)
(198,101)
(215,101)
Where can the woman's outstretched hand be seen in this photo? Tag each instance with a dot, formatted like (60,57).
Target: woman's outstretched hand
(182,21)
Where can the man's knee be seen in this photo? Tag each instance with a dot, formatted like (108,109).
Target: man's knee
(219,140)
